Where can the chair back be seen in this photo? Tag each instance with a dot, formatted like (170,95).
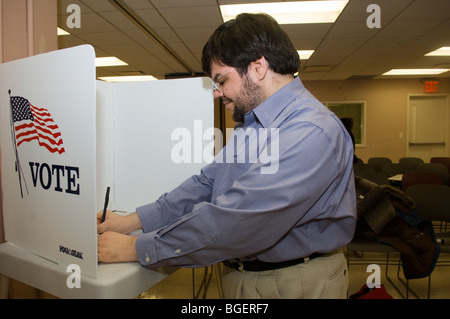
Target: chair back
(378,162)
(391,169)
(357,167)
(419,178)
(412,162)
(436,168)
(442,160)
(374,177)
(432,201)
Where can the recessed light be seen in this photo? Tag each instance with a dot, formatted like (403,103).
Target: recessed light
(298,12)
(135,78)
(109,61)
(305,54)
(62,32)
(416,71)
(444,51)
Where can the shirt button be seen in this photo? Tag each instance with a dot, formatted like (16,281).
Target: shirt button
(178,251)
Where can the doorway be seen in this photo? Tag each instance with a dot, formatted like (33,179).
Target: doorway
(428,126)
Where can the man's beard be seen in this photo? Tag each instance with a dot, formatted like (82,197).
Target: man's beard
(250,97)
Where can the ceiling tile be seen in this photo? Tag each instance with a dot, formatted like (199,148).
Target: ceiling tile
(118,20)
(124,51)
(177,3)
(407,28)
(184,17)
(307,31)
(139,4)
(106,38)
(426,9)
(99,5)
(152,18)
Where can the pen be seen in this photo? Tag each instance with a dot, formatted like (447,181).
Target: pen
(106,204)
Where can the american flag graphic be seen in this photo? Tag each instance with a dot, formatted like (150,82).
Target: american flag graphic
(33,123)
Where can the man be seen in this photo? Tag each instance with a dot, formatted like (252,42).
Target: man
(277,229)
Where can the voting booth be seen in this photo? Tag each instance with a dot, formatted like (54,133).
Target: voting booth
(66,137)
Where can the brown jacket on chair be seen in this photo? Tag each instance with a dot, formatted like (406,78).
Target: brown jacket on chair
(387,215)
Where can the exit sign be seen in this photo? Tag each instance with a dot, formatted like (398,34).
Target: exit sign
(431,86)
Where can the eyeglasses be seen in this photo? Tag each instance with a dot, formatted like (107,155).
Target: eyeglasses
(216,85)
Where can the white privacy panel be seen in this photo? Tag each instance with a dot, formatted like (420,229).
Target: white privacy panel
(155,122)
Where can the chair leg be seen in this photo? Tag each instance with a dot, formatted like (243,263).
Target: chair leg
(407,288)
(204,284)
(387,263)
(218,270)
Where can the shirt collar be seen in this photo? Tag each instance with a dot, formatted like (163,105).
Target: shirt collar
(268,111)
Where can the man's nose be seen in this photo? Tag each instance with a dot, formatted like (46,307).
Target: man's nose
(217,94)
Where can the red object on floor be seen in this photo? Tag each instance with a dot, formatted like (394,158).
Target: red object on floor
(371,293)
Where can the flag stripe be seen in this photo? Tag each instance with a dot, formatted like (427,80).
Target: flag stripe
(42,111)
(48,147)
(23,136)
(31,125)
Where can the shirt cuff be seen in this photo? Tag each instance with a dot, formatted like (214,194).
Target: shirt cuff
(146,256)
(150,217)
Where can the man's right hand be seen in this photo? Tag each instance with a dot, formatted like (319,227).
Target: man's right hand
(118,223)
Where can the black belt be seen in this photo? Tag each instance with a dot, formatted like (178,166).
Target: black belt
(257,265)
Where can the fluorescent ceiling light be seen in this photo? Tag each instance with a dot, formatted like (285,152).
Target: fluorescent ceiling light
(416,71)
(136,78)
(305,54)
(444,51)
(62,32)
(109,61)
(290,12)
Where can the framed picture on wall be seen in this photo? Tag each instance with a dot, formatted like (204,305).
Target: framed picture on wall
(355,113)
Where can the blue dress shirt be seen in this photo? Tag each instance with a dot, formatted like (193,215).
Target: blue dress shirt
(282,188)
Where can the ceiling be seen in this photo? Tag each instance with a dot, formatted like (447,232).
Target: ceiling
(163,37)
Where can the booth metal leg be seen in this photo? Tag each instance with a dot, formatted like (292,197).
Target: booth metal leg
(4,287)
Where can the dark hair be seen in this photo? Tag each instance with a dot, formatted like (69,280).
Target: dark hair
(246,39)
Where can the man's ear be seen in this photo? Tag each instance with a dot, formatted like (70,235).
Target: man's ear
(259,68)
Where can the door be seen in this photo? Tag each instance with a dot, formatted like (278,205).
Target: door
(428,126)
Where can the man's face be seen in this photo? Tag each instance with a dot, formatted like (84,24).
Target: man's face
(239,94)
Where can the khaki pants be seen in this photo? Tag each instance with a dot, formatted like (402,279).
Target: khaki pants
(322,277)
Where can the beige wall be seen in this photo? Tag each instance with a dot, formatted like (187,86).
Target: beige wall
(386,110)
(28,28)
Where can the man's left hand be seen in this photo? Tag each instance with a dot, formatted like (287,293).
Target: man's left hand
(114,247)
